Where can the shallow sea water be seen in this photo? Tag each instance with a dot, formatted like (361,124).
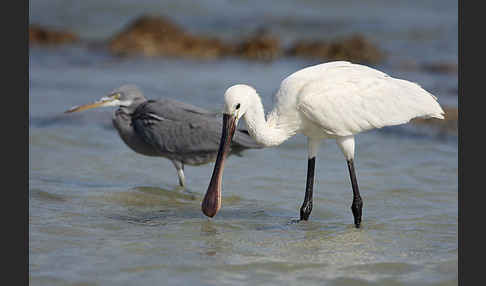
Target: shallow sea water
(100,214)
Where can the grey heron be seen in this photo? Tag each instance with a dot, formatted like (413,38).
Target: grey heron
(183,133)
(334,100)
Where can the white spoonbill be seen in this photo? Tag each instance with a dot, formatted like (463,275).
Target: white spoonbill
(333,100)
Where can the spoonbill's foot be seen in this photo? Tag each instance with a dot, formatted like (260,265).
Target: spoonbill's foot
(305,211)
(356,208)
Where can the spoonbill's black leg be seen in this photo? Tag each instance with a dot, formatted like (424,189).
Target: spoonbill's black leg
(306,208)
(357,205)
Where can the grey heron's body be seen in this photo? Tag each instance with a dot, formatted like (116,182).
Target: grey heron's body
(180,132)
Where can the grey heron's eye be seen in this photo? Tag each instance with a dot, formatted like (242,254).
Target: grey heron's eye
(238,106)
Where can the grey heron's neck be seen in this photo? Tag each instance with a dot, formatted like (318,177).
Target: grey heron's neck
(130,108)
(122,117)
(268,132)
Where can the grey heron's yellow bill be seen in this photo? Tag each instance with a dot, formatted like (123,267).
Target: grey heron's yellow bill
(212,200)
(105,101)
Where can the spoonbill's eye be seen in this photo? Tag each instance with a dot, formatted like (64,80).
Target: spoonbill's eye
(238,106)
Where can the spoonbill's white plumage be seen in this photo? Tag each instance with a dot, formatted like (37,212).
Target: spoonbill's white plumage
(334,100)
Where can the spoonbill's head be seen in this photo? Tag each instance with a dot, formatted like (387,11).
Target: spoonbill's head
(237,100)
(125,95)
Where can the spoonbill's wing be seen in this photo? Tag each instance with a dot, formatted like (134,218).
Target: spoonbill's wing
(348,101)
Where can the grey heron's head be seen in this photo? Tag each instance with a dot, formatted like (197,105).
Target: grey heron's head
(125,95)
(238,99)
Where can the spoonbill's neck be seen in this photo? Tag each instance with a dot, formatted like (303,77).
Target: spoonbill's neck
(267,132)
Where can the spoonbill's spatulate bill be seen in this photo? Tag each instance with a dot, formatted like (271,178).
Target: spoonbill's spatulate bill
(180,132)
(334,100)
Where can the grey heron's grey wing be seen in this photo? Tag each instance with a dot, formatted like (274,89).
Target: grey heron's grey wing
(165,104)
(172,127)
(242,139)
